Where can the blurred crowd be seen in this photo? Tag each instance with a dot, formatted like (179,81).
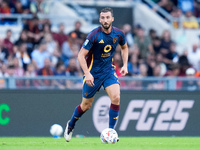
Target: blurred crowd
(41,52)
(185,12)
(20,7)
(156,56)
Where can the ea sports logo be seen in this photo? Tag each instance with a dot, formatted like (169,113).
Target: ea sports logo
(101,113)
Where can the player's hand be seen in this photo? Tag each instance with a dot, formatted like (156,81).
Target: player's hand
(123,71)
(89,79)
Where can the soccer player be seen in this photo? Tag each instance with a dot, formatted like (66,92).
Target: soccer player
(95,58)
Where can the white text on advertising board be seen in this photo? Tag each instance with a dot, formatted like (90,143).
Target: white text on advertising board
(157,115)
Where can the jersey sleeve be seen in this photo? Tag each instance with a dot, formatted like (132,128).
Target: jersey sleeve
(88,42)
(123,39)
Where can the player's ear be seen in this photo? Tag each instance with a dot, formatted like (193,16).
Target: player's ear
(100,17)
(113,19)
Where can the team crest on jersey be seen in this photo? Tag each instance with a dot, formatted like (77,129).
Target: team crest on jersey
(114,40)
(86,94)
(86,42)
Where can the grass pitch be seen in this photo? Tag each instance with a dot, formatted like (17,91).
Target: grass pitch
(94,143)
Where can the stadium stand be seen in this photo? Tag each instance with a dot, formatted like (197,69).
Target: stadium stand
(32,44)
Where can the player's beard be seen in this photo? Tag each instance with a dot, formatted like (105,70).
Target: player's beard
(106,26)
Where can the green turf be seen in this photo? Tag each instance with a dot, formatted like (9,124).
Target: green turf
(125,143)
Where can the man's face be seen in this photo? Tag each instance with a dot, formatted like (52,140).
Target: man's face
(106,19)
(47,63)
(23,47)
(44,47)
(1,42)
(195,47)
(61,28)
(9,34)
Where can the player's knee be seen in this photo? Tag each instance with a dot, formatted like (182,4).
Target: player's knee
(86,106)
(116,99)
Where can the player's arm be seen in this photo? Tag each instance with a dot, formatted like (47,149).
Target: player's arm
(82,61)
(124,52)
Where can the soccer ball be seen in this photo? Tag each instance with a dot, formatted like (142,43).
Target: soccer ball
(56,130)
(109,136)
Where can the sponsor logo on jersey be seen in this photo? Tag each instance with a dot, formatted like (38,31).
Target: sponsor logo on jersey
(101,41)
(107,48)
(105,55)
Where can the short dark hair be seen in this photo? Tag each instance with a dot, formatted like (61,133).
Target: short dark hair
(107,9)
(43,42)
(11,66)
(59,63)
(9,30)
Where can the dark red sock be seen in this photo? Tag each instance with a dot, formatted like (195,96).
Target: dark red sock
(115,107)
